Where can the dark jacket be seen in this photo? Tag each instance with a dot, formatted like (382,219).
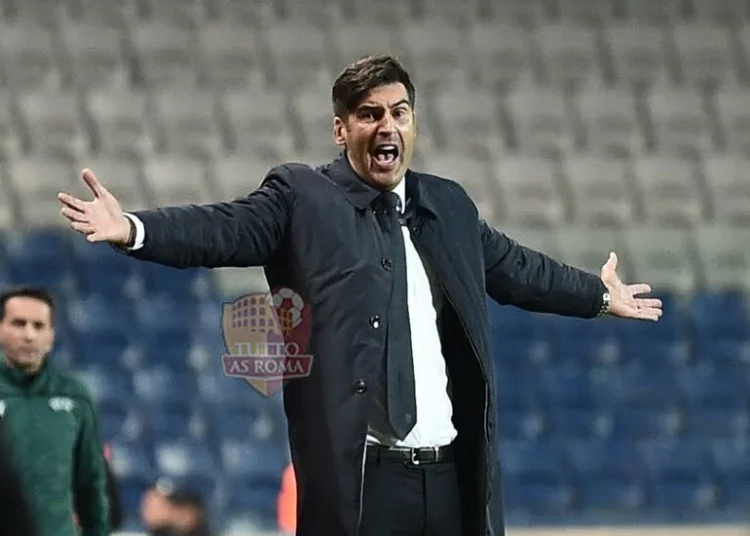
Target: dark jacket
(315,232)
(52,437)
(15,512)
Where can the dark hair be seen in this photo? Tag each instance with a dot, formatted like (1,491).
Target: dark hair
(364,75)
(37,293)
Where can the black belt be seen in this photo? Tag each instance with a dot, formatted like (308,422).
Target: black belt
(414,456)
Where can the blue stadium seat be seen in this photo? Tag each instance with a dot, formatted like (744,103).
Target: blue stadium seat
(107,386)
(609,475)
(640,420)
(162,388)
(518,338)
(133,459)
(102,271)
(571,422)
(536,478)
(680,478)
(40,257)
(717,385)
(720,315)
(174,283)
(732,462)
(187,459)
(100,316)
(584,341)
(645,384)
(170,424)
(108,349)
(719,422)
(254,478)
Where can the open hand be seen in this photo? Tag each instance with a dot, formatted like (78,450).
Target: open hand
(624,298)
(101,219)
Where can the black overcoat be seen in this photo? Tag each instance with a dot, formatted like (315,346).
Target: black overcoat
(315,231)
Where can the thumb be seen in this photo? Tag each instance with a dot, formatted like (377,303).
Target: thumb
(611,263)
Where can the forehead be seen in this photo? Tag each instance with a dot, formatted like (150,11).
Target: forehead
(25,307)
(386,95)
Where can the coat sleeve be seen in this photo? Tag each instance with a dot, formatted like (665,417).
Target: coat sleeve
(15,511)
(90,476)
(519,276)
(240,233)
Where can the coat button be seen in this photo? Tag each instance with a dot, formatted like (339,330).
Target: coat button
(387,264)
(360,386)
(375,321)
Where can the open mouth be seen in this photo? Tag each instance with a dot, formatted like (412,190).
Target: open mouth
(386,154)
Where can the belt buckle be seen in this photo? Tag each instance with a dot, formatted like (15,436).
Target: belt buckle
(413,457)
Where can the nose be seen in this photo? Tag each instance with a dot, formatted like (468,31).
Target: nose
(387,124)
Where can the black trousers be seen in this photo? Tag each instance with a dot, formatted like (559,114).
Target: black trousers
(403,499)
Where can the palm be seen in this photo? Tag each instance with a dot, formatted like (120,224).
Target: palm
(626,300)
(100,219)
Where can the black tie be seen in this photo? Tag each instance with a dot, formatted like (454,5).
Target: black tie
(401,401)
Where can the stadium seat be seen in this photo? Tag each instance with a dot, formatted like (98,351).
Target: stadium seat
(728,190)
(610,476)
(724,251)
(600,190)
(731,458)
(678,121)
(297,54)
(185,123)
(10,135)
(568,52)
(529,191)
(609,121)
(36,181)
(431,47)
(637,54)
(119,118)
(669,189)
(245,113)
(177,180)
(93,56)
(679,476)
(536,478)
(501,53)
(163,55)
(704,53)
(27,56)
(229,57)
(467,120)
(540,120)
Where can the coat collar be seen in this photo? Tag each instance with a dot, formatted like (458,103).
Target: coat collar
(362,195)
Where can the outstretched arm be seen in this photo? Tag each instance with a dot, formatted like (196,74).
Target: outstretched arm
(243,232)
(517,275)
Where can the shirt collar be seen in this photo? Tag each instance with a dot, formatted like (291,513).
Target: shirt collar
(362,195)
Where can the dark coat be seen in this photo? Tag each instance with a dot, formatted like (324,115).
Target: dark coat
(315,231)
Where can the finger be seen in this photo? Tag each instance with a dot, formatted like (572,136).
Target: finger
(649,314)
(93,183)
(73,215)
(649,303)
(72,202)
(82,227)
(640,288)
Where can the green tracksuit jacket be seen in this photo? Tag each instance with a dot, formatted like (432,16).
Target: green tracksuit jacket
(51,427)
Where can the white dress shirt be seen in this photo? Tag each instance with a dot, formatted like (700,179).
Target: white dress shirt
(434,424)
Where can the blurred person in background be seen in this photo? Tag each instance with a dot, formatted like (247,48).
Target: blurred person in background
(50,422)
(377,447)
(170,510)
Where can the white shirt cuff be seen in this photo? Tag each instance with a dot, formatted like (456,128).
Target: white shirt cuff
(140,232)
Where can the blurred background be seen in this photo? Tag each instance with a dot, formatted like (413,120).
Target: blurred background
(578,127)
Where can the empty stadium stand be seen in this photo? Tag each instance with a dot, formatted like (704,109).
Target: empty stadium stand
(578,126)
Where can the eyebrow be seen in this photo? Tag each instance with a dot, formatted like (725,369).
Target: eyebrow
(371,106)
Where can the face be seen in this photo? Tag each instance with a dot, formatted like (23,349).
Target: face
(379,135)
(26,333)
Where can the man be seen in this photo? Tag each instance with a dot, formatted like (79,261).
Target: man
(393,430)
(50,424)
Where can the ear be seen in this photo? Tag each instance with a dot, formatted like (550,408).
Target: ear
(339,131)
